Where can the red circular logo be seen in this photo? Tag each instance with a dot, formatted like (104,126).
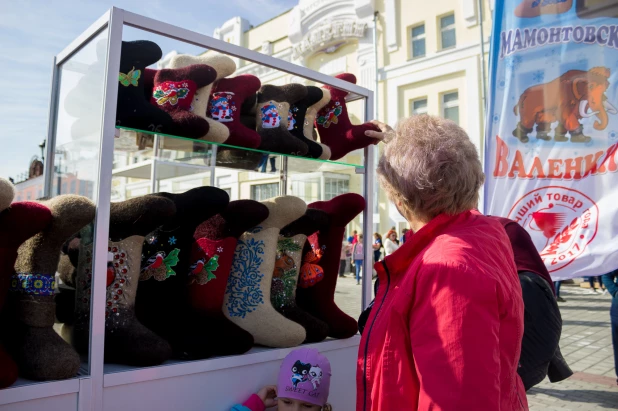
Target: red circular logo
(561,221)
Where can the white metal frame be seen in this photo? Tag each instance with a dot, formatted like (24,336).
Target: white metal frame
(90,388)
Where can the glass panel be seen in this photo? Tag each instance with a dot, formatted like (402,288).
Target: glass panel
(447,21)
(418,30)
(449,97)
(418,48)
(448,39)
(452,113)
(420,104)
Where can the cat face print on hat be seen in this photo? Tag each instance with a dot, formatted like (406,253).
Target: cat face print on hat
(305,376)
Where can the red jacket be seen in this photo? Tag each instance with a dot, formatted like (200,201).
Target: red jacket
(445,331)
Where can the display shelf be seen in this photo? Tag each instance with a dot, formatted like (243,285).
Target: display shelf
(121,374)
(27,390)
(255,150)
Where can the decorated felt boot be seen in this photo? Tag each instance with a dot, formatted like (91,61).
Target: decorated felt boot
(127,341)
(288,266)
(213,252)
(273,106)
(173,92)
(17,224)
(162,304)
(300,121)
(334,126)
(316,293)
(247,297)
(226,100)
(39,352)
(312,112)
(134,109)
(224,66)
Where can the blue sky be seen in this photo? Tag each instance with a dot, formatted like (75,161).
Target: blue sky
(33,31)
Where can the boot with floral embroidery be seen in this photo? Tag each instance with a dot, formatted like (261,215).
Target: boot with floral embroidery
(316,292)
(162,304)
(39,352)
(127,341)
(247,297)
(211,261)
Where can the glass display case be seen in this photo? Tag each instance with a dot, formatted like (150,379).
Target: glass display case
(94,157)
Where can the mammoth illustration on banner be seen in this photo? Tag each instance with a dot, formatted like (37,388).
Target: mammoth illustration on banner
(567,99)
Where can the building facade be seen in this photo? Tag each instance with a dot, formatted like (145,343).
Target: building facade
(418,57)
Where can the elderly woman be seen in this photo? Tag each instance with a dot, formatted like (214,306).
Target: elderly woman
(446,328)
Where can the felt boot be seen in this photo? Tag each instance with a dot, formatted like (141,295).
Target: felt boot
(127,341)
(224,66)
(173,92)
(17,224)
(300,121)
(162,304)
(134,109)
(39,352)
(226,99)
(213,252)
(287,269)
(247,297)
(316,294)
(334,126)
(273,106)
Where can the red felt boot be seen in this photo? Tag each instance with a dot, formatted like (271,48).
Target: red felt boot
(226,99)
(17,224)
(335,128)
(316,287)
(212,257)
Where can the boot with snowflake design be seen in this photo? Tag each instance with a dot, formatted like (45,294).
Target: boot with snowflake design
(17,224)
(334,126)
(247,296)
(40,353)
(273,106)
(224,66)
(134,109)
(316,292)
(300,122)
(173,92)
(213,251)
(287,269)
(127,341)
(161,303)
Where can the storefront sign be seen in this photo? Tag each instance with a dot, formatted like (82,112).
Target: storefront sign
(551,158)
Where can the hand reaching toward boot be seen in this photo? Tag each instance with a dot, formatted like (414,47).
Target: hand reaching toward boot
(385,134)
(267,395)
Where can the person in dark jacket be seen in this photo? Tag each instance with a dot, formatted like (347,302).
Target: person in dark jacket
(610,281)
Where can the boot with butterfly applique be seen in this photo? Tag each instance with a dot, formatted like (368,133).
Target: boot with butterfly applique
(290,272)
(316,291)
(211,261)
(134,109)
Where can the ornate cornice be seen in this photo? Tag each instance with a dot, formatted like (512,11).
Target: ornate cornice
(327,33)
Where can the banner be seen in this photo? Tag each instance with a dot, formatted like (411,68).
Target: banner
(551,154)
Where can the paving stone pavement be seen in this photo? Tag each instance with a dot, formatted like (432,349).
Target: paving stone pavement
(585,343)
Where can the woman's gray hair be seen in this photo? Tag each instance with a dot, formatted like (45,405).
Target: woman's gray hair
(431,167)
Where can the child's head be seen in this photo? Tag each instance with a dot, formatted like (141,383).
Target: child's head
(304,381)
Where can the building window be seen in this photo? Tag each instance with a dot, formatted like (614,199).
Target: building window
(418,41)
(261,192)
(450,106)
(306,188)
(64,188)
(82,188)
(73,187)
(418,106)
(228,191)
(447,31)
(335,186)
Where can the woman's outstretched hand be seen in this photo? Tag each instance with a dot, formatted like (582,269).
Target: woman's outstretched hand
(268,395)
(385,134)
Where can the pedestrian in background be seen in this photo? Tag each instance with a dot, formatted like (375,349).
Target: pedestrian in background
(403,236)
(610,281)
(358,255)
(557,285)
(377,247)
(390,243)
(345,254)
